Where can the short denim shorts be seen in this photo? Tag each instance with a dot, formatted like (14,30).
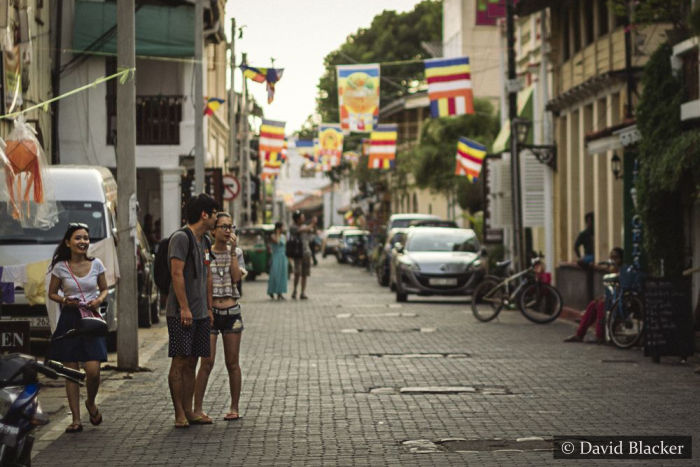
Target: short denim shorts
(227,320)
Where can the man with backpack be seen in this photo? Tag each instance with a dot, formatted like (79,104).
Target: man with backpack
(299,251)
(189,308)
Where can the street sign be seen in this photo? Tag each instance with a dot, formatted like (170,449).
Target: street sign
(232,187)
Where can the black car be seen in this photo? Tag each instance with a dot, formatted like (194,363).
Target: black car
(149,298)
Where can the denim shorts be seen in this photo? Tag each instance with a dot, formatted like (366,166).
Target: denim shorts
(227,320)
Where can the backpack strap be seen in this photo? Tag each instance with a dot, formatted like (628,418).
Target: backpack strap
(190,246)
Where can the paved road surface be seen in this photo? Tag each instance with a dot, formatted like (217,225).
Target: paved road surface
(322,382)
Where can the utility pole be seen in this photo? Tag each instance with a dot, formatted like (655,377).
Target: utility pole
(518,244)
(232,109)
(127,293)
(198,98)
(246,144)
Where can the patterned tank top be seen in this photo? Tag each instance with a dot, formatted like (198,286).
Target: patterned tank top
(221,276)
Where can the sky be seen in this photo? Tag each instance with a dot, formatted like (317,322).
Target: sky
(298,34)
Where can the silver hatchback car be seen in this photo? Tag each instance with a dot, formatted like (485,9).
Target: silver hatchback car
(436,261)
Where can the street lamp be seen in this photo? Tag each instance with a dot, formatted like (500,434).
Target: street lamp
(544,153)
(616,166)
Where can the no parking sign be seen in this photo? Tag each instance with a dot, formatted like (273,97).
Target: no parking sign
(232,187)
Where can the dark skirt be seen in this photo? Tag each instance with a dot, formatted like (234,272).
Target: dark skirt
(75,348)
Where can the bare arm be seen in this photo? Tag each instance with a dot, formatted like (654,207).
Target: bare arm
(102,285)
(177,267)
(210,295)
(235,268)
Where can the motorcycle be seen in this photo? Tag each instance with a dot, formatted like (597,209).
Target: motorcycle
(20,411)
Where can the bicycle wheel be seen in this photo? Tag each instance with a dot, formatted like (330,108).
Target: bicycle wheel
(626,325)
(488,299)
(540,303)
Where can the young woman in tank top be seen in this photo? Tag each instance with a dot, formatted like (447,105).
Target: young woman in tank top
(225,270)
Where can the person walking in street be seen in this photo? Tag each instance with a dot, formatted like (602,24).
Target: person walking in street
(302,263)
(595,311)
(226,272)
(189,307)
(82,282)
(277,283)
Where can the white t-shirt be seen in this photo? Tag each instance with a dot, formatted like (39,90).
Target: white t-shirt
(88,283)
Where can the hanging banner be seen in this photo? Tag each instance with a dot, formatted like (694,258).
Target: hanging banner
(330,143)
(12,77)
(470,157)
(358,96)
(382,146)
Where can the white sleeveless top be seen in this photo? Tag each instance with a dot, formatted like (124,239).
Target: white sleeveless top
(88,283)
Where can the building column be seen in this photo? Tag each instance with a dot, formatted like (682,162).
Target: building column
(170,196)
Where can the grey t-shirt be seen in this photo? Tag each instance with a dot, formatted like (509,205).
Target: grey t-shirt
(305,238)
(195,287)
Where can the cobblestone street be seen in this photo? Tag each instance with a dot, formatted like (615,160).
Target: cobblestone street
(323,380)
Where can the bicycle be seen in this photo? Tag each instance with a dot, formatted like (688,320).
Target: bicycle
(538,301)
(624,312)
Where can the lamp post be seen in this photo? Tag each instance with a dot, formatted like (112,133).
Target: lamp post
(544,153)
(616,166)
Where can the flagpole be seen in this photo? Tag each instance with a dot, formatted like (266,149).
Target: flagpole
(233,162)
(198,99)
(246,144)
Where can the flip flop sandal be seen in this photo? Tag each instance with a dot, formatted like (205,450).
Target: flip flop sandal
(201,420)
(182,424)
(231,416)
(74,428)
(94,419)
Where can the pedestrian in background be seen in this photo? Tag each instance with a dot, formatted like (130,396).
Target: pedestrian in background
(227,320)
(82,282)
(189,307)
(302,263)
(277,282)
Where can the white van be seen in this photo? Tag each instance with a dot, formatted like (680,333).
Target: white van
(84,194)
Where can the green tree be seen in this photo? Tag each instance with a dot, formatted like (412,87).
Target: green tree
(391,37)
(432,161)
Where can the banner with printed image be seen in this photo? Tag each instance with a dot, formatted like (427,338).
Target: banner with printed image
(330,144)
(358,96)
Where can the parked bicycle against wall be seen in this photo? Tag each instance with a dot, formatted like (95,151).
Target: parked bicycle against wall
(537,300)
(624,310)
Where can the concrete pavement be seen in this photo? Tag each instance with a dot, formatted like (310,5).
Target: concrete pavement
(323,381)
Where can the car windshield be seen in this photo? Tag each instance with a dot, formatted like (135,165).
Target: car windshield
(334,235)
(402,223)
(399,237)
(249,238)
(352,239)
(90,213)
(443,241)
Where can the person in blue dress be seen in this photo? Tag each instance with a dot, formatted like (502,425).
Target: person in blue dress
(277,284)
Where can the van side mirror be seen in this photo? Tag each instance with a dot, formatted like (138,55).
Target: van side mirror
(398,246)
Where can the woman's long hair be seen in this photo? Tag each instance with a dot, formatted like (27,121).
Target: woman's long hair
(62,251)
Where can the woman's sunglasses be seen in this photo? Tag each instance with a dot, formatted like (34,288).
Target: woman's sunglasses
(78,225)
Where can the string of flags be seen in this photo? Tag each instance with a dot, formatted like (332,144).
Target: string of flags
(212,105)
(269,76)
(382,146)
(470,157)
(270,147)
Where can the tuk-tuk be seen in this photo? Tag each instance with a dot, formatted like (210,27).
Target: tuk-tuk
(255,243)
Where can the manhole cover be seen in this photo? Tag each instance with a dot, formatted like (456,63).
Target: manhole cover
(394,314)
(422,446)
(620,361)
(356,330)
(423,390)
(437,390)
(415,355)
(532,443)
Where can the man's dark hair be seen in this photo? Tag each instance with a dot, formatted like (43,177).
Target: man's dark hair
(619,251)
(588,216)
(296,216)
(199,204)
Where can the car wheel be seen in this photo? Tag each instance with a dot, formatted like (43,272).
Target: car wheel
(144,313)
(401,296)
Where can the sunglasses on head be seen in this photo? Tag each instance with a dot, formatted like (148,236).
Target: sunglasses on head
(78,225)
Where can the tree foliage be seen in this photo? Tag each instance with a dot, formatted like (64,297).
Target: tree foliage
(432,161)
(669,163)
(391,37)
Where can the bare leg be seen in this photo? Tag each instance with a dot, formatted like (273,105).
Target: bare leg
(200,384)
(303,285)
(232,346)
(188,377)
(296,283)
(175,381)
(73,394)
(92,384)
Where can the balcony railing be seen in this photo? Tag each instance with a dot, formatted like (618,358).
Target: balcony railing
(157,119)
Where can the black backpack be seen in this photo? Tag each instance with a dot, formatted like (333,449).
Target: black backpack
(295,249)
(161,264)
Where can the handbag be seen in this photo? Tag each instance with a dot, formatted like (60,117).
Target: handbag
(91,321)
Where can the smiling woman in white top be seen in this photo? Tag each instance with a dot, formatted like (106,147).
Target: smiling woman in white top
(82,282)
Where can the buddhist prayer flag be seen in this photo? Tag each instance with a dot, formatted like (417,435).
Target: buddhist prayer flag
(271,145)
(305,148)
(264,75)
(470,157)
(382,146)
(449,86)
(212,105)
(330,143)
(358,96)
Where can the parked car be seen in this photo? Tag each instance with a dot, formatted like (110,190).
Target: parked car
(405,219)
(395,235)
(352,245)
(255,243)
(331,239)
(436,261)
(434,223)
(149,296)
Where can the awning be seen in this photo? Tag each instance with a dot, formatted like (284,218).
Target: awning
(525,110)
(162,31)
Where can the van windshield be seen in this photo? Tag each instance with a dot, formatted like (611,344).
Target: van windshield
(90,213)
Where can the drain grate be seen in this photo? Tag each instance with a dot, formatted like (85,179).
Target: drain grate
(415,355)
(391,314)
(422,390)
(358,330)
(463,445)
